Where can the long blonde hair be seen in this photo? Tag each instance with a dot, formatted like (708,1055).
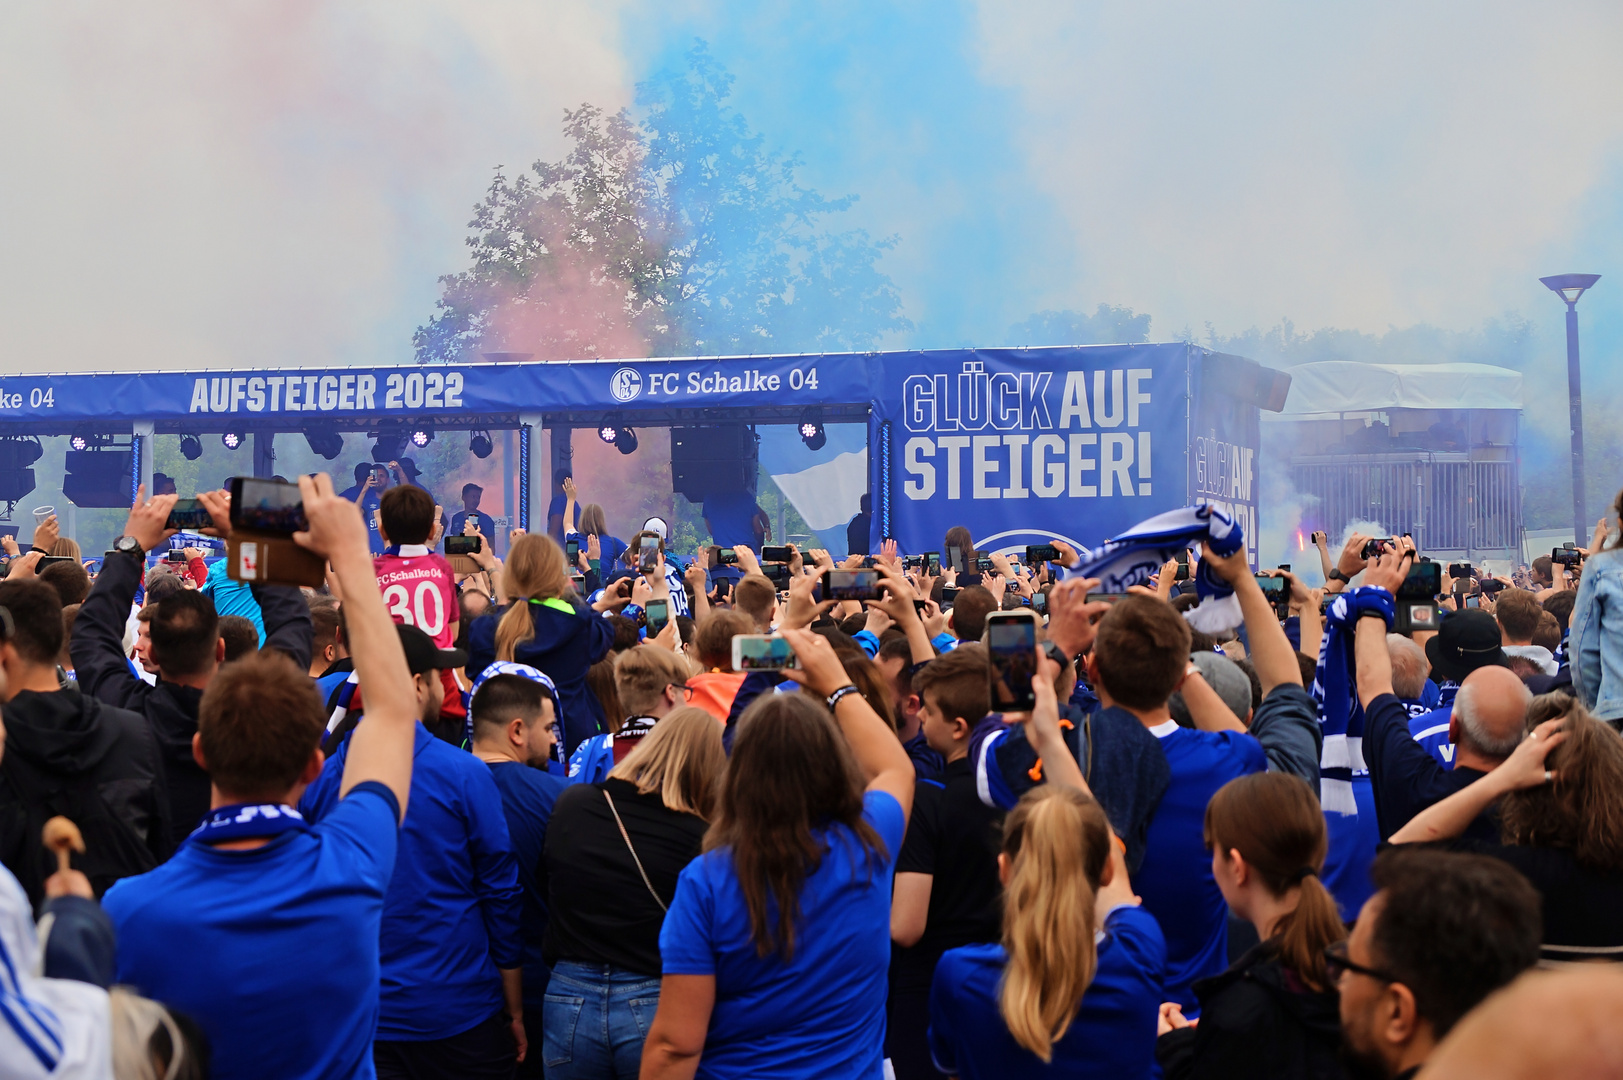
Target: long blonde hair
(591,520)
(1056,842)
(535,571)
(681,758)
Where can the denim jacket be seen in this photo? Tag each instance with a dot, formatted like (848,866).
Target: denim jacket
(1595,647)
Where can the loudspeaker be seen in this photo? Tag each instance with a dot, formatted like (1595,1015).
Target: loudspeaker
(99,478)
(1264,387)
(714,458)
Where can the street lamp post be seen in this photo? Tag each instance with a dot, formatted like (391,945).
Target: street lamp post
(1569,287)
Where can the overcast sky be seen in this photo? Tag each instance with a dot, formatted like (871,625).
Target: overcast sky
(255,183)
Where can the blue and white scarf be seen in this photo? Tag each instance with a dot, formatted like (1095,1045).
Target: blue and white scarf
(1130,558)
(509,667)
(243,821)
(1335,688)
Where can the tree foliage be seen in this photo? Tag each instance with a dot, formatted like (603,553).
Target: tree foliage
(681,233)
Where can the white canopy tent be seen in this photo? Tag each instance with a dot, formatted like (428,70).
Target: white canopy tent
(1332,388)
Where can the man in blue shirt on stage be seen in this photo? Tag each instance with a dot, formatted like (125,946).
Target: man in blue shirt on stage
(263,928)
(367,492)
(513,720)
(450,942)
(471,494)
(735,519)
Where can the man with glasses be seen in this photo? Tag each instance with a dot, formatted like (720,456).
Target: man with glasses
(651,680)
(1443,931)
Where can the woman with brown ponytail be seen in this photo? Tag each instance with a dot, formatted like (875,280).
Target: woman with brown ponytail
(1275,1013)
(1072,989)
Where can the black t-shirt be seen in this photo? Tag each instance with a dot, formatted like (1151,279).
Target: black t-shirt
(1580,905)
(955,838)
(601,912)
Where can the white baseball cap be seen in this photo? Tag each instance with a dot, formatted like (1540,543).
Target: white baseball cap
(657,525)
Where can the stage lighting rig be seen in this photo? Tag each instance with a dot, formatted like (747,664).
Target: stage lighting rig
(233,440)
(421,435)
(480,444)
(324,442)
(191,447)
(811,429)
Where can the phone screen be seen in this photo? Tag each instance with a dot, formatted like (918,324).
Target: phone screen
(463,545)
(1272,587)
(189,514)
(659,613)
(775,554)
(851,585)
(1037,553)
(572,550)
(1424,582)
(932,563)
(758,652)
(267,505)
(648,555)
(1011,641)
(1039,602)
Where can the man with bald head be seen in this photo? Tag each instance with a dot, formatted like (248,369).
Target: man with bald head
(1547,1023)
(1483,731)
(1468,642)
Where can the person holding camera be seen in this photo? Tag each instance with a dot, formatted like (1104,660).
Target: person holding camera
(1595,643)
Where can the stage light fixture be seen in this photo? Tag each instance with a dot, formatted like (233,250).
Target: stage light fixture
(422,435)
(191,447)
(233,440)
(481,444)
(324,442)
(626,441)
(608,433)
(81,439)
(811,429)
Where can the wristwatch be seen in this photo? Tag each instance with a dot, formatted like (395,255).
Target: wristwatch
(1335,574)
(129,545)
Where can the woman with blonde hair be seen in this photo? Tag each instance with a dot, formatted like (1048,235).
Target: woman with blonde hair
(612,856)
(546,626)
(1275,1012)
(1072,988)
(1560,797)
(593,523)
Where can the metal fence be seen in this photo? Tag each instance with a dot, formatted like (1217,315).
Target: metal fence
(1446,500)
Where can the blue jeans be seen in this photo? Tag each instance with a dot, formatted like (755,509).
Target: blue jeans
(595,1020)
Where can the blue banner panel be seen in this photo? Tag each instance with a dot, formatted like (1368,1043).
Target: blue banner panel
(1224,436)
(1025,446)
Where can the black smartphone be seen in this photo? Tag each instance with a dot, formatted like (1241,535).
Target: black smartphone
(723,586)
(1490,586)
(920,605)
(269,506)
(463,545)
(1272,587)
(175,555)
(1473,601)
(1285,566)
(1183,567)
(1377,547)
(189,515)
(1317,535)
(1011,645)
(1424,582)
(949,593)
(851,585)
(777,574)
(648,555)
(659,614)
(955,559)
(1041,553)
(1566,555)
(775,554)
(983,564)
(725,557)
(571,551)
(1039,602)
(48,561)
(1459,571)
(932,563)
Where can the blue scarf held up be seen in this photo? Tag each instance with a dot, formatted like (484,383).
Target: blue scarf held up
(1335,688)
(1130,558)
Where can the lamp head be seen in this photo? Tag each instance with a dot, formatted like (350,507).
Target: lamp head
(1570,286)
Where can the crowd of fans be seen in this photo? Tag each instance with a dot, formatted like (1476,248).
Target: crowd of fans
(478,817)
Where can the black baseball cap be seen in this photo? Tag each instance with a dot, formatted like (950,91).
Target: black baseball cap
(423,656)
(1467,640)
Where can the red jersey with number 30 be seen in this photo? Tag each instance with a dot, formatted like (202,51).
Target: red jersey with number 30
(419,590)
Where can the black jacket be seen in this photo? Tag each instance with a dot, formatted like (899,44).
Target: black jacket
(1257,1020)
(170,709)
(67,753)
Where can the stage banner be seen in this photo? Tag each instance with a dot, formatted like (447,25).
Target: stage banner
(294,397)
(1026,446)
(1225,434)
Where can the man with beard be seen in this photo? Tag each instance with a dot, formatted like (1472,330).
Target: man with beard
(1443,931)
(514,732)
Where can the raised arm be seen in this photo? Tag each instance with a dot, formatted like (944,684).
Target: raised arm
(1448,818)
(1271,651)
(1374,663)
(878,753)
(381,748)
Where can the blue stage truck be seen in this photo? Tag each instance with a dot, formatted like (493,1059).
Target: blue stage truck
(1022,446)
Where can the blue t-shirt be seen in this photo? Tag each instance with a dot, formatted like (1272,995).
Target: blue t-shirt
(731,515)
(452,913)
(1176,878)
(368,504)
(555,508)
(1113,1034)
(233,597)
(821,1013)
(527,798)
(1430,730)
(273,951)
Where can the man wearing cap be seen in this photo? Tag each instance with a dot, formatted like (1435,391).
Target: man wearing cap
(1467,640)
(450,945)
(1487,721)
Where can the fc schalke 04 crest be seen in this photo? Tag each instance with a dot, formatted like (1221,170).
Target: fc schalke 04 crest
(625,384)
